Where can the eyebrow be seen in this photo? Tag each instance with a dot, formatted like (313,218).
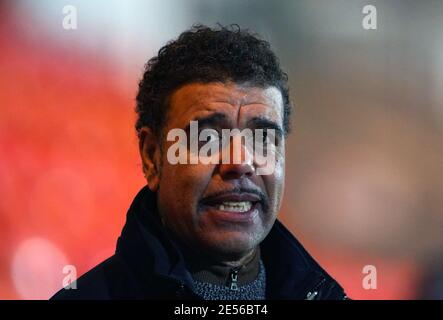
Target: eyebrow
(209,121)
(216,118)
(264,123)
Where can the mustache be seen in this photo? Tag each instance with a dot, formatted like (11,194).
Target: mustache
(264,200)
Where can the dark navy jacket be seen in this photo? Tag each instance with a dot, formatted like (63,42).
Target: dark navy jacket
(147,264)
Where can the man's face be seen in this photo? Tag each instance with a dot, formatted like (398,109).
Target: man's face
(222,209)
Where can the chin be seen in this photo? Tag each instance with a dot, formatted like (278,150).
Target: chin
(231,245)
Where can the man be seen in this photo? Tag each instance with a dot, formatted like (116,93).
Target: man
(202,229)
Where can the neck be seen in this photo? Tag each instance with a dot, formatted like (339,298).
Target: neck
(219,271)
(237,260)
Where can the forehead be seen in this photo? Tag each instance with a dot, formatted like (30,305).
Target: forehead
(233,99)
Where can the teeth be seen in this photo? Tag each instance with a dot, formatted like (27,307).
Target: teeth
(242,206)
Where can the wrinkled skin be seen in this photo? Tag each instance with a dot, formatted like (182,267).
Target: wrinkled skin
(182,188)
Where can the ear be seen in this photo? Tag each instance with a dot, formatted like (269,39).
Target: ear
(149,147)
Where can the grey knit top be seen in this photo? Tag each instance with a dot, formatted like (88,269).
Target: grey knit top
(255,290)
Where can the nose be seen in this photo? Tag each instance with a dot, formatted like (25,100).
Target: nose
(238,163)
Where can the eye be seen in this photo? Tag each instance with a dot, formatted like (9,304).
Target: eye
(261,136)
(265,141)
(212,137)
(265,136)
(208,136)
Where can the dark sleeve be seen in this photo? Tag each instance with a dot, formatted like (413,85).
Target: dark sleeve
(93,285)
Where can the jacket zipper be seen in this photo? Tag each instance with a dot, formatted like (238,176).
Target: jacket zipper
(233,279)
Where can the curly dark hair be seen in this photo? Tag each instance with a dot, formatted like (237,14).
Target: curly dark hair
(203,54)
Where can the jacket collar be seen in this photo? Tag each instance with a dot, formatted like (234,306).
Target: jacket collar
(145,245)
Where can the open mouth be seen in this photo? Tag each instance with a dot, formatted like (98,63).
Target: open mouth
(233,207)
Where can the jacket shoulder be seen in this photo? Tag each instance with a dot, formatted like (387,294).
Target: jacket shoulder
(96,284)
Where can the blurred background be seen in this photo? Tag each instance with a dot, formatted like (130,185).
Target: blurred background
(364,161)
